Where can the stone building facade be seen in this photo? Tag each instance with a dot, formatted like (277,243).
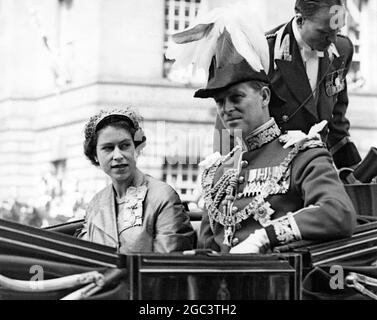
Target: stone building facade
(62,60)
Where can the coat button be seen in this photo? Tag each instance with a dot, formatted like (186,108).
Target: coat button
(240,195)
(234,209)
(235,241)
(244,164)
(241,179)
(285,118)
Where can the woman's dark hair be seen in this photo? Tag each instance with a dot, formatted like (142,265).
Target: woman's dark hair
(90,143)
(308,8)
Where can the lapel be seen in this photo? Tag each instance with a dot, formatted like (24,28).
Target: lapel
(104,216)
(294,74)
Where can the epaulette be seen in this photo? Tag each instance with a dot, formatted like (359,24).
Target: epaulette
(345,37)
(271,35)
(342,35)
(312,143)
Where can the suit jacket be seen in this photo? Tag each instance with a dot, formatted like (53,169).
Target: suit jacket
(312,195)
(293,106)
(164,227)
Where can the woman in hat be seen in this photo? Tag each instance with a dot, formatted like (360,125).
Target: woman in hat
(136,213)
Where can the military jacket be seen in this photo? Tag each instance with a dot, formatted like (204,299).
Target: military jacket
(293,193)
(294,107)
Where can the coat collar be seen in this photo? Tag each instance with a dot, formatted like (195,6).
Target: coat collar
(103,214)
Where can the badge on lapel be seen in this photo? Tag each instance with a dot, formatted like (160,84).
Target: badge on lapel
(285,50)
(282,50)
(335,82)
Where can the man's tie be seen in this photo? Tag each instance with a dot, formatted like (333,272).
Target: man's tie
(312,54)
(311,63)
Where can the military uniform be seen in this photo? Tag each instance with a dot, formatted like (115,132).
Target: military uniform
(296,107)
(292,193)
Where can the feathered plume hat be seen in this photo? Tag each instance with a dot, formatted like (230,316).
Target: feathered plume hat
(227,44)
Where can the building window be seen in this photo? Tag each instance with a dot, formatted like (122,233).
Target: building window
(178,16)
(183,178)
(352,30)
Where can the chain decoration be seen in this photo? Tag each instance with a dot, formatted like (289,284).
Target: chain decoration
(223,194)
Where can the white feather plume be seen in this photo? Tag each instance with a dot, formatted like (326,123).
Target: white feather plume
(196,45)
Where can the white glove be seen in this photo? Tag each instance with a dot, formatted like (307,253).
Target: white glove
(254,243)
(293,137)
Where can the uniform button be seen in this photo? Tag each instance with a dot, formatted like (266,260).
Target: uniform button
(244,163)
(235,241)
(234,209)
(285,118)
(240,195)
(241,179)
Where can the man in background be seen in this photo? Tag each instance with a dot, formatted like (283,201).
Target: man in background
(309,64)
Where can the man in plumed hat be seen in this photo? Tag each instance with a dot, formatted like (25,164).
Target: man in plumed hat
(310,61)
(271,189)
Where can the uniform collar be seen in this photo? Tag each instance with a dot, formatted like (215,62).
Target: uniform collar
(266,133)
